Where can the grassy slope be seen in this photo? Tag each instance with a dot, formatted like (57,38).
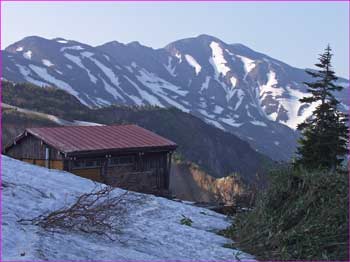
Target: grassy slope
(301,216)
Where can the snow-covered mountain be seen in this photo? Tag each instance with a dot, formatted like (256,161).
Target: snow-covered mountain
(150,230)
(228,85)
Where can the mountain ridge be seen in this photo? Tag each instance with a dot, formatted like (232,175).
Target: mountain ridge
(232,87)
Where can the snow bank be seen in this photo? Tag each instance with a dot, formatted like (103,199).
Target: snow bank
(152,231)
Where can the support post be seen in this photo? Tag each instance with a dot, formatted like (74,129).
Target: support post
(167,173)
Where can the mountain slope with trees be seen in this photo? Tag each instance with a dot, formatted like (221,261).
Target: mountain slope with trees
(217,152)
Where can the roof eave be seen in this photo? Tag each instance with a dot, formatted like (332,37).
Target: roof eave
(170,147)
(17,138)
(124,150)
(45,141)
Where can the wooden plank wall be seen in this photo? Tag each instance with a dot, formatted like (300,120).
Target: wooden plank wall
(149,173)
(31,147)
(89,173)
(53,164)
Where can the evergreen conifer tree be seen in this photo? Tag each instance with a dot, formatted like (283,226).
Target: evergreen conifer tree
(325,134)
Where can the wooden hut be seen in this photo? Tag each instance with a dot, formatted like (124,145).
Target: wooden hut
(126,156)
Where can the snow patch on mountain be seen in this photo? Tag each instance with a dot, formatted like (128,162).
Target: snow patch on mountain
(151,99)
(220,67)
(206,114)
(107,72)
(42,72)
(28,55)
(26,74)
(62,41)
(75,47)
(19,49)
(162,88)
(193,63)
(293,105)
(178,56)
(270,91)
(214,123)
(240,95)
(273,116)
(258,123)
(205,84)
(76,60)
(100,102)
(217,60)
(86,54)
(233,81)
(169,68)
(110,89)
(270,87)
(230,122)
(158,82)
(47,62)
(107,57)
(248,64)
(218,109)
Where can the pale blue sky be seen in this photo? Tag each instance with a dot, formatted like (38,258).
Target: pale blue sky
(292,32)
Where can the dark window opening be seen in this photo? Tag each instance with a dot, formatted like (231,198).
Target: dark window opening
(80,164)
(121,160)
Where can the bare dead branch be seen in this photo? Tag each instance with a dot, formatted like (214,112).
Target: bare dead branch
(99,212)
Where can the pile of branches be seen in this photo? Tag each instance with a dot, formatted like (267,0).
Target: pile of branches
(100,212)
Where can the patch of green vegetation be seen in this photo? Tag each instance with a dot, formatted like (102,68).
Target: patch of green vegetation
(302,215)
(186,221)
(178,158)
(47,100)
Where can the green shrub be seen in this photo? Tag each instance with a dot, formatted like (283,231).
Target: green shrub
(300,216)
(186,221)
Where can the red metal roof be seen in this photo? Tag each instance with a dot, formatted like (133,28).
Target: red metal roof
(70,139)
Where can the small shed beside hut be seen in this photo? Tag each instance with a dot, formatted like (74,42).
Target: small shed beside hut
(126,156)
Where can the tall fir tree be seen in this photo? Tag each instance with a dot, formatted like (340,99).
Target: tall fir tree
(325,134)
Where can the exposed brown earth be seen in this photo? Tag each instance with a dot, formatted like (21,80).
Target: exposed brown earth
(189,182)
